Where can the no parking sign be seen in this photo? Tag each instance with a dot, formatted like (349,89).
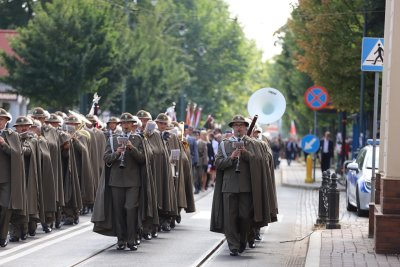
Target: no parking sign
(316,97)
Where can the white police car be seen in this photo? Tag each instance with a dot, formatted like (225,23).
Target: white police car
(358,179)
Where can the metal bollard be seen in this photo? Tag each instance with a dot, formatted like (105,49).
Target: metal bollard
(309,178)
(323,199)
(333,204)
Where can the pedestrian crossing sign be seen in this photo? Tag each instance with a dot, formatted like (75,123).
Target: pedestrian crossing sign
(372,54)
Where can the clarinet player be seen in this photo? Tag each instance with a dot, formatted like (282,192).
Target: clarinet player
(236,186)
(125,181)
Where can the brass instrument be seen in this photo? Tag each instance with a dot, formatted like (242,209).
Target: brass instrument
(238,145)
(175,154)
(183,140)
(122,140)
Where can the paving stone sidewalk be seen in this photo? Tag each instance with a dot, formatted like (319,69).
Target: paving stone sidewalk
(348,246)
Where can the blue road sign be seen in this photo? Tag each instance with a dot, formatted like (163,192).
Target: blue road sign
(310,143)
(316,97)
(372,54)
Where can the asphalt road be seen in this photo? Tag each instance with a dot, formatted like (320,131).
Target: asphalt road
(284,243)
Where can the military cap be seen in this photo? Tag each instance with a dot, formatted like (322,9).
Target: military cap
(73,120)
(53,118)
(39,112)
(113,119)
(4,113)
(22,120)
(238,119)
(36,123)
(90,117)
(61,114)
(162,117)
(142,114)
(127,117)
(257,129)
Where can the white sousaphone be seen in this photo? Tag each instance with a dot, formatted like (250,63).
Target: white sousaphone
(268,103)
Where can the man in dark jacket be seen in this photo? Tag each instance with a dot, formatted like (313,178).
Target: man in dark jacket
(326,151)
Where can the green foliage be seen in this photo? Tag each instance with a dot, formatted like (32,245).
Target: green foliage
(158,73)
(330,37)
(69,48)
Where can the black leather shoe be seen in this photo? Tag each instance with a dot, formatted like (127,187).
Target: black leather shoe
(242,247)
(14,239)
(32,233)
(121,246)
(154,234)
(234,252)
(178,219)
(57,225)
(165,227)
(137,242)
(76,221)
(46,229)
(24,236)
(258,237)
(172,225)
(147,236)
(68,222)
(132,247)
(3,242)
(252,244)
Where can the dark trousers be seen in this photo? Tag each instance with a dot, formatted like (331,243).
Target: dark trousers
(325,161)
(238,211)
(5,217)
(125,206)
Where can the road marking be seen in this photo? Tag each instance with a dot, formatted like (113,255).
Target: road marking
(41,246)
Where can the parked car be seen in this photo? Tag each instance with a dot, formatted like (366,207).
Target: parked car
(358,179)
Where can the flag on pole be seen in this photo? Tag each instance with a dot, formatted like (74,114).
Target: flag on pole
(293,131)
(188,113)
(193,115)
(198,116)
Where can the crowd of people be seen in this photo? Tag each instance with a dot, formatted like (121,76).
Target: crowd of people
(135,175)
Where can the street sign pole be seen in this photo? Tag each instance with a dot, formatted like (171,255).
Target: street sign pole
(374,130)
(315,133)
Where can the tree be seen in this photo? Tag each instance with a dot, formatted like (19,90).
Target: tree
(159,74)
(67,49)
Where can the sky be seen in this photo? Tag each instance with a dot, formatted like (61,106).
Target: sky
(260,19)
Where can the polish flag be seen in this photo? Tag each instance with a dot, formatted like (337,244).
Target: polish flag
(293,131)
(188,113)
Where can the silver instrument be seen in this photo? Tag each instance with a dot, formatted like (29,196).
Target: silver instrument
(174,156)
(238,145)
(122,140)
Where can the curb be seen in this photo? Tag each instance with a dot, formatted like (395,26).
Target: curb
(314,250)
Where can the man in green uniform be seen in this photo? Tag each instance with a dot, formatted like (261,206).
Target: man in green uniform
(244,193)
(125,181)
(12,182)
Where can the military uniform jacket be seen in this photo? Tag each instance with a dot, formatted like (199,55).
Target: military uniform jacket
(134,158)
(262,179)
(12,169)
(233,182)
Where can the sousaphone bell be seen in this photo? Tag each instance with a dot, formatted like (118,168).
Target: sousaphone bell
(268,103)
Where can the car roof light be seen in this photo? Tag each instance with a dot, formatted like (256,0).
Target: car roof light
(371,142)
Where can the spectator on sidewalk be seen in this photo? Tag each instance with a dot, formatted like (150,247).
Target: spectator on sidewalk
(291,150)
(326,151)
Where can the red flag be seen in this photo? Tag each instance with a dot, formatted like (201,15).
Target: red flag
(293,131)
(188,113)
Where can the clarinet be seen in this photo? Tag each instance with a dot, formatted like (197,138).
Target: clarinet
(122,156)
(237,170)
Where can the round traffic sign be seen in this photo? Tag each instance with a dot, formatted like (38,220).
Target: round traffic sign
(316,97)
(310,143)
